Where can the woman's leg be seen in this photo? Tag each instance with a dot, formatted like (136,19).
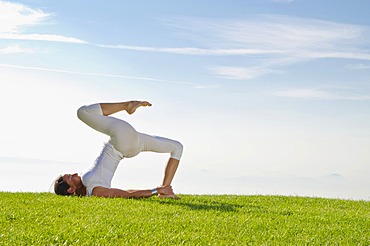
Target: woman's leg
(170,171)
(122,135)
(95,115)
(164,145)
(130,107)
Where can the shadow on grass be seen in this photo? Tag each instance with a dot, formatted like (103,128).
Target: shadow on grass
(217,206)
(206,205)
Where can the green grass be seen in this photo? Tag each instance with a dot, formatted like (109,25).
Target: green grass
(47,219)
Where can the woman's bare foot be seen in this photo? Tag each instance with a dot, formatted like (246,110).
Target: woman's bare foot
(167,192)
(133,105)
(173,196)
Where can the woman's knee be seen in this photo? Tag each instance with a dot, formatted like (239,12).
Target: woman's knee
(177,153)
(80,112)
(89,109)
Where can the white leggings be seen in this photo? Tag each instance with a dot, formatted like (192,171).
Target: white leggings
(123,137)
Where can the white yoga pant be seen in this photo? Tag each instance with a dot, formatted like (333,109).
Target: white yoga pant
(123,137)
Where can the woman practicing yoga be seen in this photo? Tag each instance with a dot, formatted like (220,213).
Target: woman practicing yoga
(124,142)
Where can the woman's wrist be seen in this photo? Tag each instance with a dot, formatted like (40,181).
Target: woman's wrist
(154,191)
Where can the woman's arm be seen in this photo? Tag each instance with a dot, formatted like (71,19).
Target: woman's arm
(112,192)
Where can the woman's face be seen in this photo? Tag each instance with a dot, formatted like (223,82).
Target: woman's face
(71,179)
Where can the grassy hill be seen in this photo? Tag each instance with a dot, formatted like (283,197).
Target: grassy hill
(47,219)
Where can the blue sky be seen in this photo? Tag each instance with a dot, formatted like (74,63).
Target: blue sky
(268,96)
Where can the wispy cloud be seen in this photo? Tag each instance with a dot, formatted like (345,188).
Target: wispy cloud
(319,94)
(267,35)
(303,93)
(358,66)
(270,36)
(14,49)
(195,85)
(273,32)
(15,16)
(192,50)
(42,37)
(273,41)
(239,73)
(279,40)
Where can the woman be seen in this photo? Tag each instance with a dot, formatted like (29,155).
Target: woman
(124,142)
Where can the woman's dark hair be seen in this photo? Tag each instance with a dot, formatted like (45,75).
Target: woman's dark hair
(61,187)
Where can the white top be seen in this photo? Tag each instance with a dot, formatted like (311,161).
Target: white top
(103,169)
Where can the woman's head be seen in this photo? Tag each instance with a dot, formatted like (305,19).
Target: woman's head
(61,187)
(69,184)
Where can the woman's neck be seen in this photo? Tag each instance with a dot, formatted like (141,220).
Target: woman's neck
(81,191)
